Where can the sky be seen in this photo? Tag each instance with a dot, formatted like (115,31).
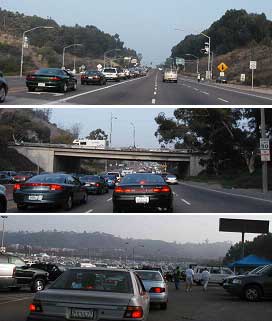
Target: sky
(181,228)
(144,25)
(122,130)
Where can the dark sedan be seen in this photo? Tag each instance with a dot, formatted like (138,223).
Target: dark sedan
(93,77)
(54,270)
(3,88)
(3,199)
(50,189)
(142,191)
(94,184)
(6,179)
(21,177)
(51,78)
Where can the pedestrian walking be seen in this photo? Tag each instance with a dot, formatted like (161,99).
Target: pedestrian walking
(205,277)
(176,277)
(189,278)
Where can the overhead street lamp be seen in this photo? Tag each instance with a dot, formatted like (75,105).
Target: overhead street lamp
(63,52)
(197,61)
(111,119)
(132,124)
(3,232)
(106,52)
(23,43)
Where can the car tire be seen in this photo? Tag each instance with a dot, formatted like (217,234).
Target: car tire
(38,285)
(85,198)
(68,203)
(3,94)
(64,88)
(252,293)
(21,207)
(31,89)
(163,306)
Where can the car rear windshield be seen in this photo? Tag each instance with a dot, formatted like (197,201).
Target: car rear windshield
(89,178)
(142,179)
(92,72)
(47,179)
(110,70)
(50,72)
(94,280)
(171,176)
(150,275)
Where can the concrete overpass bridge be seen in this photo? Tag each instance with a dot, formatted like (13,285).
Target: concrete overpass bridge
(61,157)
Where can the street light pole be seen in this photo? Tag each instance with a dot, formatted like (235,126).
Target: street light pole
(23,41)
(209,53)
(134,145)
(63,52)
(264,163)
(3,232)
(111,118)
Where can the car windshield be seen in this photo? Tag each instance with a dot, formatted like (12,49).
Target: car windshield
(92,72)
(89,178)
(47,179)
(266,269)
(110,70)
(50,71)
(150,275)
(94,280)
(142,179)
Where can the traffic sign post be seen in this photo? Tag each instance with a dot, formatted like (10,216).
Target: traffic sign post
(252,66)
(265,149)
(243,78)
(265,145)
(222,67)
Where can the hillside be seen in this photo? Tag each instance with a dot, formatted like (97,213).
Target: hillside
(46,46)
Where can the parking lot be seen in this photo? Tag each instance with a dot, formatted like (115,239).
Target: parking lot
(213,305)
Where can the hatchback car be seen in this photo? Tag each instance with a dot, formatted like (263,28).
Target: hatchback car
(51,190)
(142,191)
(92,294)
(94,184)
(3,88)
(93,77)
(156,286)
(52,79)
(111,74)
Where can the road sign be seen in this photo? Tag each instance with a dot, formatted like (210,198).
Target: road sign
(243,77)
(265,149)
(264,143)
(180,61)
(253,65)
(99,66)
(222,74)
(2,249)
(222,67)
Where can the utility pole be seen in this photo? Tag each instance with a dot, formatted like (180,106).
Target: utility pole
(264,163)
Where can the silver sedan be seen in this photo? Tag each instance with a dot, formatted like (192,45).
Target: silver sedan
(92,294)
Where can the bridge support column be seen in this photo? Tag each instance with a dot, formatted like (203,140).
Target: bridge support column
(195,167)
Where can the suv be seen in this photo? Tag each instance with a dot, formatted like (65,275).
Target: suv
(111,74)
(170,75)
(217,274)
(24,275)
(252,286)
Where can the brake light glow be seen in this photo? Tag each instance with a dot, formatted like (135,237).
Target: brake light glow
(120,189)
(163,189)
(157,290)
(54,78)
(97,184)
(133,312)
(52,187)
(16,187)
(35,307)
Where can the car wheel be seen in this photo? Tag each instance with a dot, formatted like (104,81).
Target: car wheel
(252,293)
(85,198)
(163,306)
(69,203)
(31,89)
(38,285)
(3,94)
(64,88)
(21,207)
(3,206)
(74,86)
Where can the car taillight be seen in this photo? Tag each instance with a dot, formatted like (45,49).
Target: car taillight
(163,189)
(35,307)
(97,184)
(52,187)
(119,189)
(133,312)
(157,290)
(16,187)
(30,77)
(54,78)
(56,187)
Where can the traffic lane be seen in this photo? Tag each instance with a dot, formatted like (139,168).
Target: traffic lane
(227,95)
(213,305)
(195,199)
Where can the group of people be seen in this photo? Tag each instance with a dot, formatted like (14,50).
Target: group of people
(189,278)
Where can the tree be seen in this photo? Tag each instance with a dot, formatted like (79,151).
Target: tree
(75,130)
(97,134)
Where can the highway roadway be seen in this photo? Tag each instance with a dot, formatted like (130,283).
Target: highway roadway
(188,198)
(149,90)
(213,305)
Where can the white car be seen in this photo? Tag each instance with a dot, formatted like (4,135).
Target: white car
(111,74)
(170,75)
(217,274)
(171,179)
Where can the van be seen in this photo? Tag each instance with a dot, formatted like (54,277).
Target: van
(170,75)
(217,274)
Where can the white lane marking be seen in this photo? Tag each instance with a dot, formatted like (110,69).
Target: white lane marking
(226,193)
(6,302)
(45,93)
(155,93)
(153,101)
(34,93)
(196,89)
(224,100)
(90,211)
(108,200)
(90,92)
(186,202)
(205,92)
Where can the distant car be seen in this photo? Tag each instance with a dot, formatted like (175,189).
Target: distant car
(92,294)
(221,80)
(93,77)
(156,286)
(51,190)
(51,78)
(9,173)
(170,75)
(6,179)
(54,270)
(171,179)
(121,73)
(21,177)
(142,191)
(251,287)
(3,199)
(94,184)
(3,88)
(116,174)
(217,274)
(110,180)
(111,74)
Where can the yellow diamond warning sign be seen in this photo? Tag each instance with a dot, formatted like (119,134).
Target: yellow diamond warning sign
(222,67)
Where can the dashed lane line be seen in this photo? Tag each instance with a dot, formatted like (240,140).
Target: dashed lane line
(155,93)
(224,100)
(205,92)
(153,101)
(110,199)
(90,211)
(186,202)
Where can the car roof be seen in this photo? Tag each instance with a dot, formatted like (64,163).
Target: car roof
(101,269)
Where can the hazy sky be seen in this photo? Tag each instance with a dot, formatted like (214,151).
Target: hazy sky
(182,228)
(144,25)
(122,130)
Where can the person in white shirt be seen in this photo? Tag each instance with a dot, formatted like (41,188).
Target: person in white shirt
(205,276)
(189,278)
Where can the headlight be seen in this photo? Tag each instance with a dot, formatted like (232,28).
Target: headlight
(237,281)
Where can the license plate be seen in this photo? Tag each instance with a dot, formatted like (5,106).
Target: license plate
(35,197)
(41,84)
(81,314)
(142,199)
(90,77)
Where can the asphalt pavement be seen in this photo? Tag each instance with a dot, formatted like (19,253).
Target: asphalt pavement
(188,198)
(213,305)
(148,90)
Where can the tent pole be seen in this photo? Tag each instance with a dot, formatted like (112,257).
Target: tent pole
(243,245)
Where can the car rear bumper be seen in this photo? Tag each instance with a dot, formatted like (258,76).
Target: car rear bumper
(54,198)
(47,84)
(158,297)
(129,201)
(92,81)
